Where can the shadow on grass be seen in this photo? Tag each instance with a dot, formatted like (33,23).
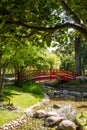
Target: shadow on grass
(10,93)
(41,96)
(11,90)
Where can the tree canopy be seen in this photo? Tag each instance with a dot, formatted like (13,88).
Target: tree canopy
(26,26)
(24,18)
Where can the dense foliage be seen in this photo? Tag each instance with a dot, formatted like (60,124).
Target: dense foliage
(27,26)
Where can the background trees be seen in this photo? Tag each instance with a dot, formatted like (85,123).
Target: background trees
(27,26)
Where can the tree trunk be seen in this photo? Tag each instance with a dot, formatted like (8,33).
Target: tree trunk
(77,20)
(2,84)
(18,71)
(77,57)
(0,64)
(0,71)
(19,79)
(2,79)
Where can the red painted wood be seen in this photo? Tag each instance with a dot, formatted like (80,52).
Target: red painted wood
(48,74)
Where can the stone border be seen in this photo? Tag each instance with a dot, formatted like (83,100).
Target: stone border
(68,95)
(28,113)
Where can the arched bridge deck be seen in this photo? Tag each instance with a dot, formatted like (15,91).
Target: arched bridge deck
(48,74)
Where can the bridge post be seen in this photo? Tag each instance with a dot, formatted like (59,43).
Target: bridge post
(50,72)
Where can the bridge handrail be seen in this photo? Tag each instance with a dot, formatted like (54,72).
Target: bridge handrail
(49,73)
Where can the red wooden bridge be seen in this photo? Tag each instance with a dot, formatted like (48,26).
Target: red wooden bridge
(48,74)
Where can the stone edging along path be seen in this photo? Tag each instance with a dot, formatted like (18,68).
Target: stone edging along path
(28,113)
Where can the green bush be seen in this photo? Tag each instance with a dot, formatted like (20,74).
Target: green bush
(32,87)
(73,82)
(81,120)
(84,80)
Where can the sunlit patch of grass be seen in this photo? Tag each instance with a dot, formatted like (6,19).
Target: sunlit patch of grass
(6,116)
(25,99)
(20,99)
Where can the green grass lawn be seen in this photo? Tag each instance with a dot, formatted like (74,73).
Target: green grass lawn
(19,98)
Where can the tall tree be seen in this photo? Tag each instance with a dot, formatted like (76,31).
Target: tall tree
(25,19)
(7,53)
(77,20)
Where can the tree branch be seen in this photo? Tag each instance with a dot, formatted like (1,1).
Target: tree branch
(71,12)
(20,36)
(81,28)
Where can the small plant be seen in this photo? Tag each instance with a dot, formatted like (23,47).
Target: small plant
(81,120)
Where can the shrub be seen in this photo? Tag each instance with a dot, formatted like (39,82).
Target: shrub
(32,87)
(73,82)
(81,120)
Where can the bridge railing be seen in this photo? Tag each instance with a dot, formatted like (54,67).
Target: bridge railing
(64,75)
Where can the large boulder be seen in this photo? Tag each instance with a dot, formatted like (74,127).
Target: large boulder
(51,113)
(52,120)
(66,125)
(40,114)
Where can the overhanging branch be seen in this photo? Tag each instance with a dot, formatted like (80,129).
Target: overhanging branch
(81,28)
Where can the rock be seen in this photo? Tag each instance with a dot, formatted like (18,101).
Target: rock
(56,106)
(1,128)
(12,127)
(29,112)
(84,95)
(72,98)
(37,105)
(67,125)
(12,108)
(65,92)
(69,97)
(45,101)
(16,123)
(62,96)
(40,114)
(51,113)
(52,120)
(73,93)
(1,104)
(5,128)
(57,96)
(51,94)
(57,92)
